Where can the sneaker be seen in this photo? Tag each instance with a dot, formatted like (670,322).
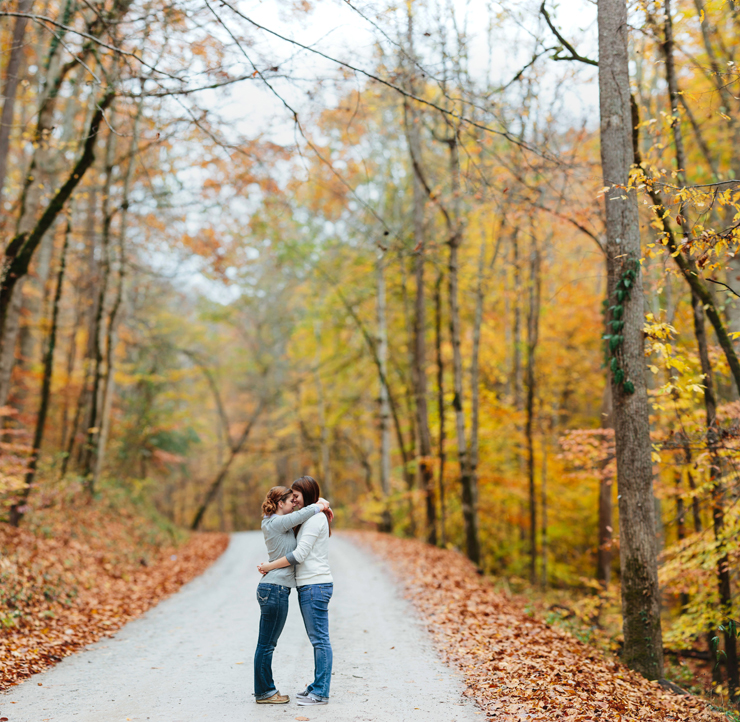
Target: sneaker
(309,701)
(276,698)
(303,694)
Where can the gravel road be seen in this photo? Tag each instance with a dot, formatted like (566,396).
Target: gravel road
(190,657)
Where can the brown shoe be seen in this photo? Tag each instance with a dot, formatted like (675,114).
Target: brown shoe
(276,698)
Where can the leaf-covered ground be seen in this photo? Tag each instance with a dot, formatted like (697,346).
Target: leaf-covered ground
(81,573)
(516,667)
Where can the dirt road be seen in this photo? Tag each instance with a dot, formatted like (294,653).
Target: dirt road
(190,658)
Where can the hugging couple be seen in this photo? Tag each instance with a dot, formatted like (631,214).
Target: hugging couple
(297,525)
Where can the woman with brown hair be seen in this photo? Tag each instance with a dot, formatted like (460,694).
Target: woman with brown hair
(315,586)
(273,591)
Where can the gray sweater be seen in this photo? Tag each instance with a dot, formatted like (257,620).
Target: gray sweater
(280,541)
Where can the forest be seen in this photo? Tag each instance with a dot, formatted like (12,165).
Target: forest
(472,265)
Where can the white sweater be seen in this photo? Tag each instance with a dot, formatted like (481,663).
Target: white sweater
(312,553)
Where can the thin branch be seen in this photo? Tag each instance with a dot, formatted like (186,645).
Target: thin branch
(294,113)
(397,88)
(719,283)
(574,55)
(573,222)
(216,394)
(188,91)
(698,185)
(535,58)
(43,19)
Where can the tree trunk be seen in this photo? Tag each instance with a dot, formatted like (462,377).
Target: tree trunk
(18,509)
(12,77)
(70,365)
(385,409)
(710,399)
(517,367)
(30,204)
(86,316)
(724,579)
(323,437)
(480,295)
(441,452)
(324,450)
(409,477)
(543,504)
(90,455)
(36,288)
(21,248)
(8,344)
(420,386)
(533,325)
(79,410)
(218,480)
(412,124)
(518,372)
(643,647)
(695,508)
(114,317)
(108,379)
(681,527)
(468,481)
(373,348)
(606,522)
(33,300)
(732,303)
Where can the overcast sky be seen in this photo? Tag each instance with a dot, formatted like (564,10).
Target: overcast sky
(336,29)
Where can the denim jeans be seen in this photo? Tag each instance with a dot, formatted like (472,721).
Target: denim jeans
(273,600)
(314,601)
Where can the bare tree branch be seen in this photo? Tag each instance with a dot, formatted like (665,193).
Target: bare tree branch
(574,55)
(371,76)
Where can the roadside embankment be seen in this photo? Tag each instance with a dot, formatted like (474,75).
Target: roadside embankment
(79,570)
(517,667)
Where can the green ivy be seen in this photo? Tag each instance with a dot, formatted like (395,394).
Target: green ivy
(614,340)
(730,628)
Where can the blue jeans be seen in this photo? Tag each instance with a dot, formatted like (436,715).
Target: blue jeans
(273,600)
(314,601)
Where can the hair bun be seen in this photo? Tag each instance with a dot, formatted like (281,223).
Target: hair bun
(273,498)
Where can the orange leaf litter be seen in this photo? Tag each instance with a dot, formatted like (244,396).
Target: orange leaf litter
(107,597)
(515,667)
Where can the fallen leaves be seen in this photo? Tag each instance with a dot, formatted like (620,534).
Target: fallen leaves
(61,590)
(517,667)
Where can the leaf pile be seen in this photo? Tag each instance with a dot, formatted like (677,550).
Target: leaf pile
(71,585)
(518,668)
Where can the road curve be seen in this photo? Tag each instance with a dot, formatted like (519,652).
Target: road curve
(190,657)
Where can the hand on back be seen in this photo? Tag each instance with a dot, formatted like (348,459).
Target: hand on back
(327,508)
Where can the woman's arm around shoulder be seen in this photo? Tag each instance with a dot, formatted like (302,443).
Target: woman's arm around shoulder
(288,521)
(310,531)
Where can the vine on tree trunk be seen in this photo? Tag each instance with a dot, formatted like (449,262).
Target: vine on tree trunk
(614,340)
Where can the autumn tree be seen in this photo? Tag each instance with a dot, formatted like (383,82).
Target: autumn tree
(643,646)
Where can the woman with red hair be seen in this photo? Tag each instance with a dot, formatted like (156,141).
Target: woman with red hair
(315,586)
(279,520)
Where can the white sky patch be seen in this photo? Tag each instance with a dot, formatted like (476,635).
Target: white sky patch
(309,83)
